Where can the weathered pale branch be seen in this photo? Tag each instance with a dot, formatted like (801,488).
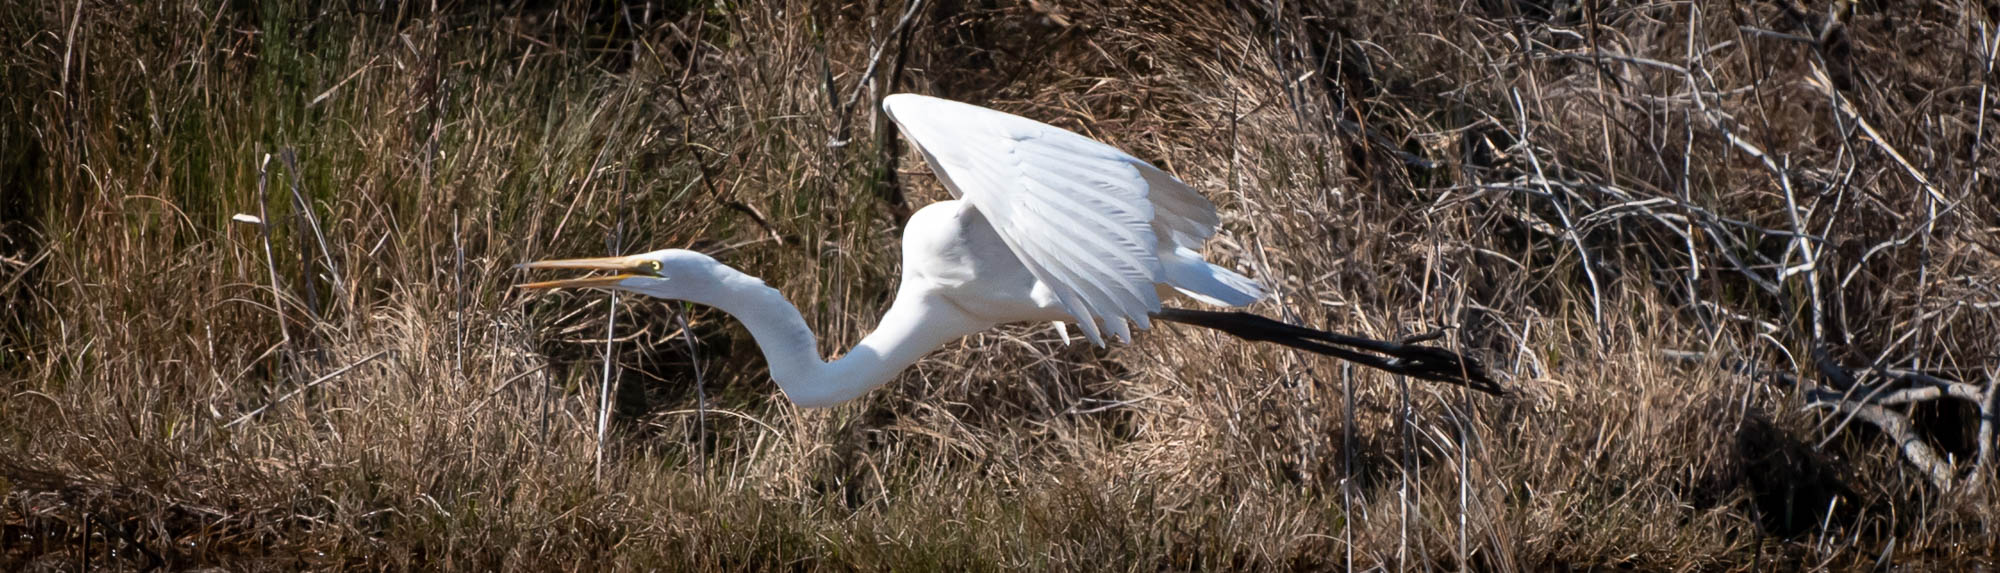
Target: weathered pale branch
(1869,402)
(1925,394)
(1895,425)
(308,386)
(1989,410)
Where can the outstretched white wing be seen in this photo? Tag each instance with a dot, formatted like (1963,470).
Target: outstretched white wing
(1087,219)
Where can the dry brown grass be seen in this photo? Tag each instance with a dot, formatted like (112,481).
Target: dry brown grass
(1558,180)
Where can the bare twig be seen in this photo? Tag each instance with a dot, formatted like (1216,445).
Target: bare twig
(1755,31)
(604,382)
(1347,459)
(1925,394)
(700,395)
(308,386)
(615,242)
(1819,80)
(1989,417)
(69,44)
(1869,403)
(1598,55)
(605,387)
(24,267)
(312,221)
(458,295)
(1895,425)
(887,146)
(874,58)
(1569,230)
(343,82)
(270,260)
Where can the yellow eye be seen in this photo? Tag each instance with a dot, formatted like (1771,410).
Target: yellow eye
(652,267)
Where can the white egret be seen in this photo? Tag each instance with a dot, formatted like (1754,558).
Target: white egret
(1047,226)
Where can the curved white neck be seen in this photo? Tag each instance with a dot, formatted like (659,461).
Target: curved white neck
(915,324)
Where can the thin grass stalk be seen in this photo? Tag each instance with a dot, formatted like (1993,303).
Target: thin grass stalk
(700,395)
(458,294)
(1347,459)
(606,386)
(270,260)
(290,158)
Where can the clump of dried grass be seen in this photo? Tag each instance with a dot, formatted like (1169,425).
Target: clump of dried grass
(1573,189)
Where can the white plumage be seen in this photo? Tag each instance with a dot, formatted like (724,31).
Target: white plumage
(1095,225)
(1047,225)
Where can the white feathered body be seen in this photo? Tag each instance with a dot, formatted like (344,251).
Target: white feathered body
(950,252)
(1047,225)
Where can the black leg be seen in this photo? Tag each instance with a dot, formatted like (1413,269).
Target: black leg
(1407,357)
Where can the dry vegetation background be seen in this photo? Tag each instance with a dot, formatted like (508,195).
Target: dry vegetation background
(1738,259)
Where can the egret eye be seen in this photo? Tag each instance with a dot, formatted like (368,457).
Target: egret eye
(652,267)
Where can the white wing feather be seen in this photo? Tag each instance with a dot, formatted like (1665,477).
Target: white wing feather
(1084,217)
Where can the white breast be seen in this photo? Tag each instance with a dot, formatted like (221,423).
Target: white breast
(950,251)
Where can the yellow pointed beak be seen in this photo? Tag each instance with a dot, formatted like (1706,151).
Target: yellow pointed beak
(630,266)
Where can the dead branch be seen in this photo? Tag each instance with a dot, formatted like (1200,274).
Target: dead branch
(1989,411)
(1893,424)
(1868,398)
(308,386)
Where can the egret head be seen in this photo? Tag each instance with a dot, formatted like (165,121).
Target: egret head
(670,273)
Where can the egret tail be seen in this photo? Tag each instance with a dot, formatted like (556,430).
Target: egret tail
(1210,284)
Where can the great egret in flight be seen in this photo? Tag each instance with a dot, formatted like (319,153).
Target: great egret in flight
(1047,226)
